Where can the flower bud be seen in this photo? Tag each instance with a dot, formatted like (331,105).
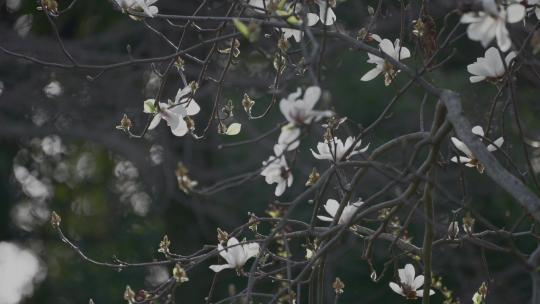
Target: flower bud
(247,103)
(180,274)
(453,230)
(313,177)
(55,220)
(338,286)
(222,236)
(164,245)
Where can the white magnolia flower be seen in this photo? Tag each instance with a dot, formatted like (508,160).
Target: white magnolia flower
(311,20)
(173,113)
(289,137)
(299,110)
(332,207)
(262,6)
(335,149)
(491,23)
(235,255)
(396,51)
(139,5)
(276,171)
(410,285)
(470,160)
(326,14)
(491,66)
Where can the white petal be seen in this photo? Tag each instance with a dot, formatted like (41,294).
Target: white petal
(509,58)
(461,146)
(251,249)
(326,14)
(316,155)
(280,188)
(365,148)
(462,160)
(179,110)
(408,275)
(376,37)
(325,218)
(182,93)
(395,287)
(478,130)
(180,129)
(289,137)
(387,47)
(223,252)
(420,293)
(153,10)
(311,96)
(475,79)
(469,18)
(418,282)
(371,74)
(218,268)
(289,180)
(257,4)
(155,121)
(490,6)
(236,252)
(515,13)
(312,19)
(503,37)
(497,144)
(331,206)
(285,106)
(192,107)
(479,68)
(404,53)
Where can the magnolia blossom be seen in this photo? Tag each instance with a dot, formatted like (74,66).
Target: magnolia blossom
(396,51)
(491,23)
(491,66)
(235,255)
(276,170)
(332,207)
(470,160)
(410,285)
(139,5)
(335,149)
(288,10)
(289,137)
(326,14)
(311,20)
(173,113)
(298,109)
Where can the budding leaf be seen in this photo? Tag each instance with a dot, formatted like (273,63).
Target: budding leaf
(55,220)
(241,27)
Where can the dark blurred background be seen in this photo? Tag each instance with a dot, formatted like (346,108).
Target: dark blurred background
(59,150)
